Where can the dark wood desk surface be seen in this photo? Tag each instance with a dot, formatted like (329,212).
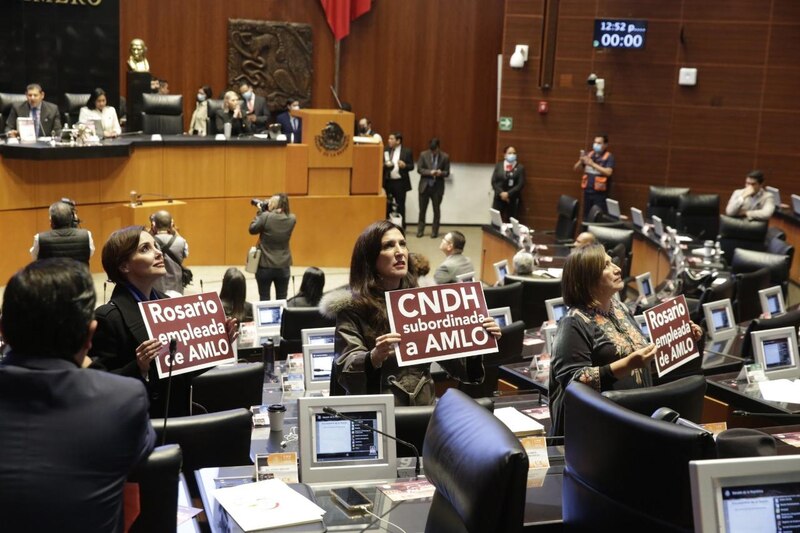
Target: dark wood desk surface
(741,395)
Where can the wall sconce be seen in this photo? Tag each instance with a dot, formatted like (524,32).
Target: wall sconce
(519,57)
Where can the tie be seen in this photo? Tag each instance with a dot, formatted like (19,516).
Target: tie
(35,116)
(294,124)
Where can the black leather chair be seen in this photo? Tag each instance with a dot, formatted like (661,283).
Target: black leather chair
(158,478)
(7,101)
(479,469)
(622,466)
(507,295)
(781,247)
(684,395)
(534,293)
(790,318)
(214,105)
(597,215)
(567,220)
(745,261)
(293,321)
(611,237)
(774,233)
(73,102)
(162,113)
(714,293)
(411,423)
(741,233)
(746,305)
(698,215)
(509,350)
(229,387)
(663,202)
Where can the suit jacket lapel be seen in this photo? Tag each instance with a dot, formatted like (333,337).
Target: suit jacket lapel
(131,315)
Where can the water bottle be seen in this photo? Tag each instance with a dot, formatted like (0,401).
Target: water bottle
(227,130)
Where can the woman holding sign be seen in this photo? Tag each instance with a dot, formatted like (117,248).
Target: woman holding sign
(598,342)
(364,342)
(121,345)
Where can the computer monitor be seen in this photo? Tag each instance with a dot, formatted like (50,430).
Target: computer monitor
(658,227)
(776,351)
(317,335)
(333,450)
(772,301)
(776,194)
(497,220)
(514,226)
(466,276)
(501,269)
(644,284)
(612,207)
(268,314)
(317,365)
(549,333)
(637,218)
(643,326)
(796,204)
(745,494)
(501,315)
(556,309)
(719,317)
(720,344)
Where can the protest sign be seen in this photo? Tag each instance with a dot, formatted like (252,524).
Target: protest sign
(671,331)
(439,322)
(197,323)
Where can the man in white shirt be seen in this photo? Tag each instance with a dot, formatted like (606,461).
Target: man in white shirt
(753,202)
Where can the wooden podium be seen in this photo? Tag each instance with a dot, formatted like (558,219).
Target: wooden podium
(328,133)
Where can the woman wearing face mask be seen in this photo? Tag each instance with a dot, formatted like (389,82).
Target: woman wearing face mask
(597,167)
(508,180)
(199,123)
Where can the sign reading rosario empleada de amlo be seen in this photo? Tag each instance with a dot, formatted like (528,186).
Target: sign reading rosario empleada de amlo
(439,322)
(671,332)
(197,323)
(93,3)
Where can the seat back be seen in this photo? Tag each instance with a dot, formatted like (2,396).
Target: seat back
(741,233)
(684,395)
(73,102)
(509,350)
(7,101)
(698,215)
(746,305)
(293,321)
(610,237)
(162,113)
(715,293)
(790,318)
(158,478)
(534,293)
(622,466)
(476,464)
(663,203)
(567,218)
(214,105)
(507,295)
(781,247)
(749,261)
(229,386)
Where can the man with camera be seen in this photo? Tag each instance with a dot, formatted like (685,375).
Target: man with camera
(65,239)
(175,249)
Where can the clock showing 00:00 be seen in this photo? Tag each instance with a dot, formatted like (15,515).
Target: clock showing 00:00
(615,33)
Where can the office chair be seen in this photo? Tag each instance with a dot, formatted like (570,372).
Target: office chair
(534,292)
(790,318)
(293,321)
(476,465)
(567,220)
(612,481)
(7,101)
(214,105)
(714,293)
(746,305)
(741,233)
(745,261)
(229,386)
(781,247)
(663,203)
(611,237)
(73,102)
(698,215)
(158,478)
(507,295)
(684,395)
(162,114)
(774,233)
(509,350)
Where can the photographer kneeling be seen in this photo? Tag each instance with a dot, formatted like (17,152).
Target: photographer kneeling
(275,223)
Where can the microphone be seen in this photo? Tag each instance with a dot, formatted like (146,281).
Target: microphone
(668,415)
(173,347)
(333,412)
(739,412)
(201,286)
(166,197)
(127,133)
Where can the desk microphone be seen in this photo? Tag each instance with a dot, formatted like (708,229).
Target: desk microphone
(738,412)
(173,347)
(333,412)
(128,133)
(668,415)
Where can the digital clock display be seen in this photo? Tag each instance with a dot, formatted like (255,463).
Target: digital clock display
(617,33)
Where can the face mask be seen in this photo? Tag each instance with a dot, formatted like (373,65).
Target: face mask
(363,129)
(511,158)
(295,107)
(248,95)
(598,148)
(201,97)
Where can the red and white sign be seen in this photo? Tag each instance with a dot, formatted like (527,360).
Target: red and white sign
(197,322)
(671,331)
(439,322)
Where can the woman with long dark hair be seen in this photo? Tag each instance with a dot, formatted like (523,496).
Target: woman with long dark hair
(233,295)
(274,225)
(311,289)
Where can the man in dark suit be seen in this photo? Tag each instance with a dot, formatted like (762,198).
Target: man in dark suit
(65,239)
(45,115)
(70,435)
(291,126)
(398,161)
(433,167)
(254,107)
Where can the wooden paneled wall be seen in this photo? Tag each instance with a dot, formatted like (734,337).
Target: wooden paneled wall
(741,115)
(422,67)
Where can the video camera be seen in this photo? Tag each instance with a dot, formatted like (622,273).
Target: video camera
(261,205)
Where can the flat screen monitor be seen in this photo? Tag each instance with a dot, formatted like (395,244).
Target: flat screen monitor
(501,315)
(497,220)
(466,276)
(746,494)
(796,204)
(776,351)
(719,317)
(549,333)
(317,335)
(776,194)
(556,309)
(268,314)
(514,226)
(637,217)
(772,301)
(720,345)
(317,365)
(644,284)
(658,227)
(333,450)
(501,269)
(612,206)
(643,326)
(627,34)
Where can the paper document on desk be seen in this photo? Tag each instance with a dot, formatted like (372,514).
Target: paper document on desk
(780,390)
(419,489)
(267,504)
(519,424)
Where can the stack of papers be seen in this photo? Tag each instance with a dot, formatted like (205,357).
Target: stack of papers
(780,390)
(519,424)
(267,504)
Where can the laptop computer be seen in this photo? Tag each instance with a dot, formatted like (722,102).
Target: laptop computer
(637,218)
(796,204)
(612,206)
(497,220)
(776,194)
